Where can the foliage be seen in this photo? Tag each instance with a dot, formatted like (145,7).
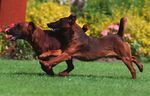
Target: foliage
(100,14)
(40,12)
(46,12)
(21,51)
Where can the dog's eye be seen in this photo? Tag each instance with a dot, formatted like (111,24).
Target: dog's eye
(61,20)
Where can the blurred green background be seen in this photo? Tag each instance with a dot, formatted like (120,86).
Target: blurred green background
(98,14)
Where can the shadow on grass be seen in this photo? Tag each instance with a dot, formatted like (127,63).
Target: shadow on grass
(24,74)
(71,75)
(100,76)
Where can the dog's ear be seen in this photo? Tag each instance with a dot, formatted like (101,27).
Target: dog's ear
(72,18)
(85,27)
(31,27)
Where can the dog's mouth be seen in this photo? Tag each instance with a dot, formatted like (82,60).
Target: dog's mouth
(10,37)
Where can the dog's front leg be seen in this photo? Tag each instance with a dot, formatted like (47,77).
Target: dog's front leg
(54,61)
(47,70)
(70,67)
(66,55)
(50,53)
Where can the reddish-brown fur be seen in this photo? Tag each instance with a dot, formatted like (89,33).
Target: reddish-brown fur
(41,41)
(87,48)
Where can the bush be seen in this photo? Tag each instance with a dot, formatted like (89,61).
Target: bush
(99,14)
(46,12)
(40,12)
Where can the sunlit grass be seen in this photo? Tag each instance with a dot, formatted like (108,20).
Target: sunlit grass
(25,78)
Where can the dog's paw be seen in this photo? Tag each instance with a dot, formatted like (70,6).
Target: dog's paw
(50,73)
(63,74)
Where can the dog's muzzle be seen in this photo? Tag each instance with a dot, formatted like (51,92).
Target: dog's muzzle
(10,37)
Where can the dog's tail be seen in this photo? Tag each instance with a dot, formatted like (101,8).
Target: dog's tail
(122,25)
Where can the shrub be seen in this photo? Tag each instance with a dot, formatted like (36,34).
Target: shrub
(41,13)
(99,14)
(46,12)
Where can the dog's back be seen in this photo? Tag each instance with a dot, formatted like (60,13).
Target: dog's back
(44,40)
(104,46)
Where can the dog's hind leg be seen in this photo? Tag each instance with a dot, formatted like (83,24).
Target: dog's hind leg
(70,67)
(126,57)
(128,63)
(139,65)
(128,51)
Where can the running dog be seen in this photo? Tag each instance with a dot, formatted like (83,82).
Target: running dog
(87,48)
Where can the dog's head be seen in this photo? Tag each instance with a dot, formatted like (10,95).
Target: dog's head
(20,30)
(63,23)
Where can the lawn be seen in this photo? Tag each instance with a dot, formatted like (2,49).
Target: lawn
(25,78)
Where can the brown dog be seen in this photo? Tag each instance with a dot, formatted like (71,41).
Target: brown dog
(41,41)
(87,48)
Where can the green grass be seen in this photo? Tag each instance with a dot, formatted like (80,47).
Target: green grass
(25,78)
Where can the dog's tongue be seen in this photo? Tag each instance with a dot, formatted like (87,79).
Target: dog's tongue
(8,37)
